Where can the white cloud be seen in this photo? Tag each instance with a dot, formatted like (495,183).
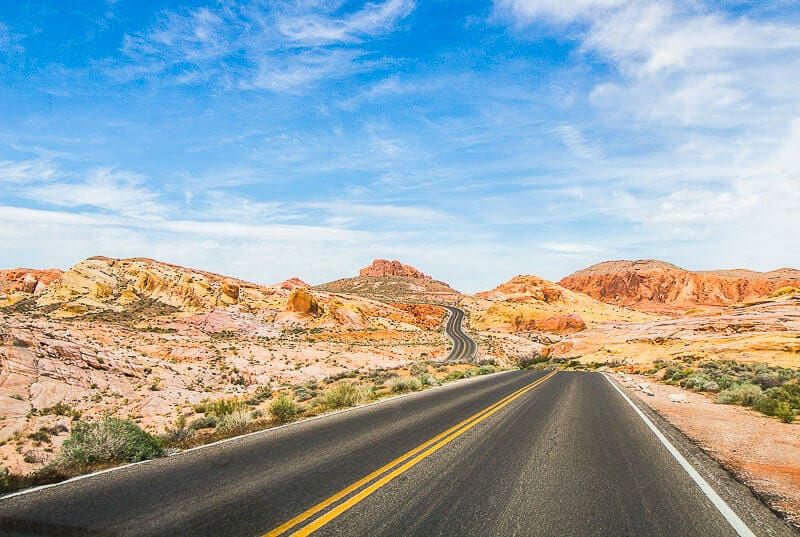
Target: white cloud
(316,29)
(576,142)
(27,171)
(571,247)
(527,11)
(278,47)
(117,191)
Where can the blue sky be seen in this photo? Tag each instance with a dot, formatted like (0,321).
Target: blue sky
(474,140)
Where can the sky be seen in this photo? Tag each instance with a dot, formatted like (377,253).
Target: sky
(474,140)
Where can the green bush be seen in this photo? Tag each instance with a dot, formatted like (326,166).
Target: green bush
(343,395)
(404,385)
(426,379)
(486,370)
(206,422)
(284,410)
(740,394)
(106,441)
(455,375)
(784,412)
(767,405)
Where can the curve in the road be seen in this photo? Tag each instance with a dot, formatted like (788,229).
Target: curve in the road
(464,347)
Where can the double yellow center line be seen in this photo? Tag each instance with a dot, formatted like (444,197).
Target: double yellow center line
(394,468)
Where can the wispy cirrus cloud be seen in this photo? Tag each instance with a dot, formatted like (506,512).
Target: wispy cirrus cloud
(106,189)
(27,171)
(375,18)
(278,47)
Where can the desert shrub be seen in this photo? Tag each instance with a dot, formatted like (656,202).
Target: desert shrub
(5,480)
(426,379)
(206,422)
(486,370)
(104,441)
(223,407)
(235,422)
(768,380)
(342,395)
(418,369)
(784,412)
(530,360)
(740,394)
(404,385)
(767,405)
(284,410)
(700,382)
(455,375)
(177,436)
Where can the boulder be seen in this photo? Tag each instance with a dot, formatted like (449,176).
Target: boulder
(301,301)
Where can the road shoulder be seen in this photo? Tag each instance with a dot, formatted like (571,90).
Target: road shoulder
(747,505)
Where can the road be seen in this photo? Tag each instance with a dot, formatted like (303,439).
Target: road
(517,453)
(464,348)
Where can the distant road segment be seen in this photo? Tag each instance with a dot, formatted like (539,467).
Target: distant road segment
(464,347)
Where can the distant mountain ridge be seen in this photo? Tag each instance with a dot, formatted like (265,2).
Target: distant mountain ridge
(658,286)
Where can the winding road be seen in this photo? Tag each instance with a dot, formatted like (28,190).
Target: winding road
(464,347)
(522,453)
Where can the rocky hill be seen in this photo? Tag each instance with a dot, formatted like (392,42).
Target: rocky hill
(395,282)
(652,285)
(528,303)
(139,337)
(384,267)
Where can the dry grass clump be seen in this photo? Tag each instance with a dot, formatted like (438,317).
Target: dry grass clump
(342,395)
(110,440)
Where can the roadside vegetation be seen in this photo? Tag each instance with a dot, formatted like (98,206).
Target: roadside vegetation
(771,390)
(109,441)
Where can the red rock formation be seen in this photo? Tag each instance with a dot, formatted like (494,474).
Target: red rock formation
(27,280)
(384,267)
(292,283)
(561,324)
(652,285)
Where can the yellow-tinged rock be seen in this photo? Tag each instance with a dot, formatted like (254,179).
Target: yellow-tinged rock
(301,301)
(229,292)
(128,296)
(74,308)
(102,290)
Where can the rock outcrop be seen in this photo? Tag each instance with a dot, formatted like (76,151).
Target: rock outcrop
(27,280)
(292,283)
(384,267)
(303,302)
(651,285)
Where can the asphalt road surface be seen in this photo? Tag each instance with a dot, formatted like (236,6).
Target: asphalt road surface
(517,453)
(464,348)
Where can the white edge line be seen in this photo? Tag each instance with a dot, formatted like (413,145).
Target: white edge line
(733,519)
(254,433)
